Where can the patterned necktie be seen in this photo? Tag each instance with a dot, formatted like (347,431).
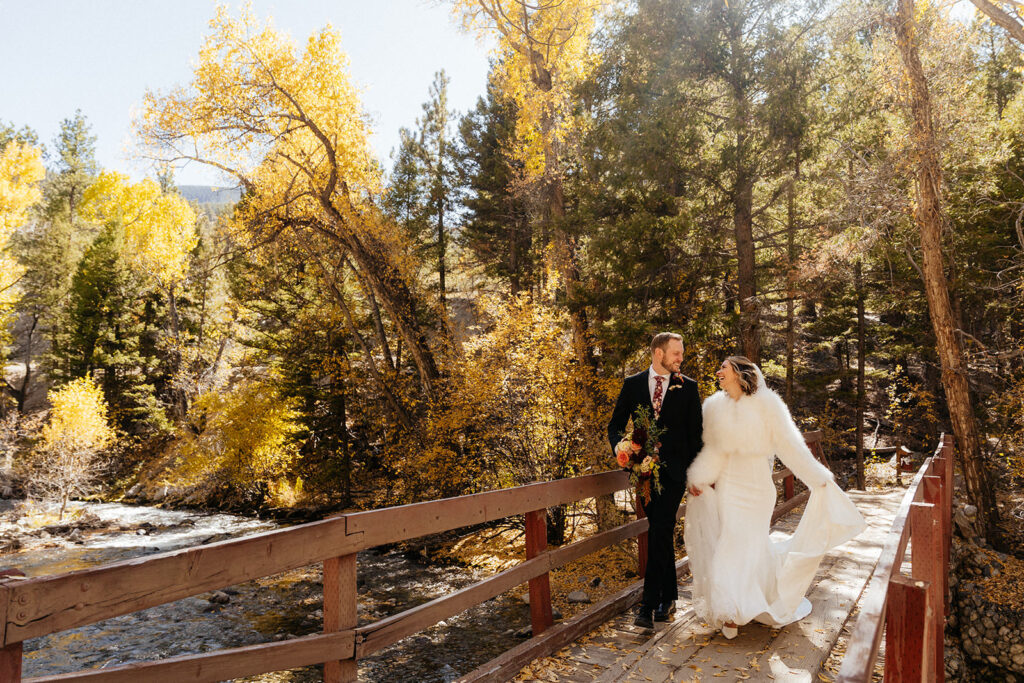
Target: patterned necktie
(658,379)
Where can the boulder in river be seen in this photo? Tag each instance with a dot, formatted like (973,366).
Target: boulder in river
(219,598)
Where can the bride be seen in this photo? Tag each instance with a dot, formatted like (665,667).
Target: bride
(739,573)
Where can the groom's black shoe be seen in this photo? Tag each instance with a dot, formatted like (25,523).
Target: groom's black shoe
(643,618)
(664,610)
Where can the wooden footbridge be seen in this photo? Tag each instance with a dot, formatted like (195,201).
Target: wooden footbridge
(597,644)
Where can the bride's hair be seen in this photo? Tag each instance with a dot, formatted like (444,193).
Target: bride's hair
(746,373)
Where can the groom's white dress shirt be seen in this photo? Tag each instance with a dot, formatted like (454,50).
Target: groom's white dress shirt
(651,384)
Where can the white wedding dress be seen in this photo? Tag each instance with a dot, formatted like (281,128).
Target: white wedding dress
(739,573)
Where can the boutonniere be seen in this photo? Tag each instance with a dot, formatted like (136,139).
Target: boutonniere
(678,376)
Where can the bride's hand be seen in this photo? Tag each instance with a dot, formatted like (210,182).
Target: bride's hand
(694,491)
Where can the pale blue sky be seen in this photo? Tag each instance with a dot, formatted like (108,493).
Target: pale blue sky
(100,56)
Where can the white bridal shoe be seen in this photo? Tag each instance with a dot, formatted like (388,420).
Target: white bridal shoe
(730,632)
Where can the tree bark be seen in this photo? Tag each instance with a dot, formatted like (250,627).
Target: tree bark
(861,389)
(997,15)
(178,394)
(378,322)
(22,394)
(396,296)
(790,284)
(743,226)
(441,287)
(929,218)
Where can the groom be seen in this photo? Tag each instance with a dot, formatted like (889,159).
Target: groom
(675,403)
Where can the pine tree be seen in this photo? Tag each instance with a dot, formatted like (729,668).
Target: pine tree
(497,228)
(424,181)
(111,323)
(76,168)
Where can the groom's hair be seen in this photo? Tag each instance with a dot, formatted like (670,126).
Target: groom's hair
(661,340)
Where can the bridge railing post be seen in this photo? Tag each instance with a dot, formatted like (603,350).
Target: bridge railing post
(908,631)
(340,612)
(926,553)
(540,587)
(946,472)
(10,653)
(641,539)
(788,487)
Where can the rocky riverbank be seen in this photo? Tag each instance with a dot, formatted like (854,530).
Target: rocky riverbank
(985,631)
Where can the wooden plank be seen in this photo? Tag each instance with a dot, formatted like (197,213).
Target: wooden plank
(540,586)
(926,558)
(807,644)
(907,631)
(781,474)
(390,525)
(787,487)
(384,632)
(641,540)
(784,508)
(10,663)
(340,612)
(684,637)
(862,648)
(223,664)
(504,666)
(10,654)
(50,604)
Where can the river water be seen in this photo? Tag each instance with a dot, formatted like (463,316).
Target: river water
(275,608)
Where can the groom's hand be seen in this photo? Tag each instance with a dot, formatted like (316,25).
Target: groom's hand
(694,491)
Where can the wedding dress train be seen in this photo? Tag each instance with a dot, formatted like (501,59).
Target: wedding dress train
(739,573)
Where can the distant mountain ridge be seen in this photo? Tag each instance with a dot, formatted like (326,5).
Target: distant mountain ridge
(207,194)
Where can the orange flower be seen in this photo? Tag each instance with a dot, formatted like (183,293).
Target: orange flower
(622,458)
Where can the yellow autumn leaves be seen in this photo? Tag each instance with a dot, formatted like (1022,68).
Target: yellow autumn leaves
(21,170)
(544,50)
(159,228)
(283,121)
(246,437)
(78,418)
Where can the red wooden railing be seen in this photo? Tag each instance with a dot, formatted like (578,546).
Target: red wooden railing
(34,607)
(910,610)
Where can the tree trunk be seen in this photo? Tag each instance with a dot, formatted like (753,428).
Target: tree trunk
(861,389)
(22,394)
(743,225)
(378,323)
(790,280)
(1014,27)
(370,256)
(565,253)
(929,218)
(178,394)
(440,257)
(346,454)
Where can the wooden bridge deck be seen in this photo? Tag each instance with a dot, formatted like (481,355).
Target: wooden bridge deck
(685,649)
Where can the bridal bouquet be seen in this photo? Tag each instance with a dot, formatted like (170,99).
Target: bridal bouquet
(638,453)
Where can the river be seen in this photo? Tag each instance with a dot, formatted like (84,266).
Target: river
(270,609)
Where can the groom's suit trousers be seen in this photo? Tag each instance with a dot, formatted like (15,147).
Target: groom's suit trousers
(660,583)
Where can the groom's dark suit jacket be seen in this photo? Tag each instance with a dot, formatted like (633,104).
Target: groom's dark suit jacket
(680,417)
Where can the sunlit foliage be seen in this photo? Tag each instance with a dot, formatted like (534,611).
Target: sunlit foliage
(544,51)
(240,439)
(286,123)
(159,227)
(21,169)
(67,460)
